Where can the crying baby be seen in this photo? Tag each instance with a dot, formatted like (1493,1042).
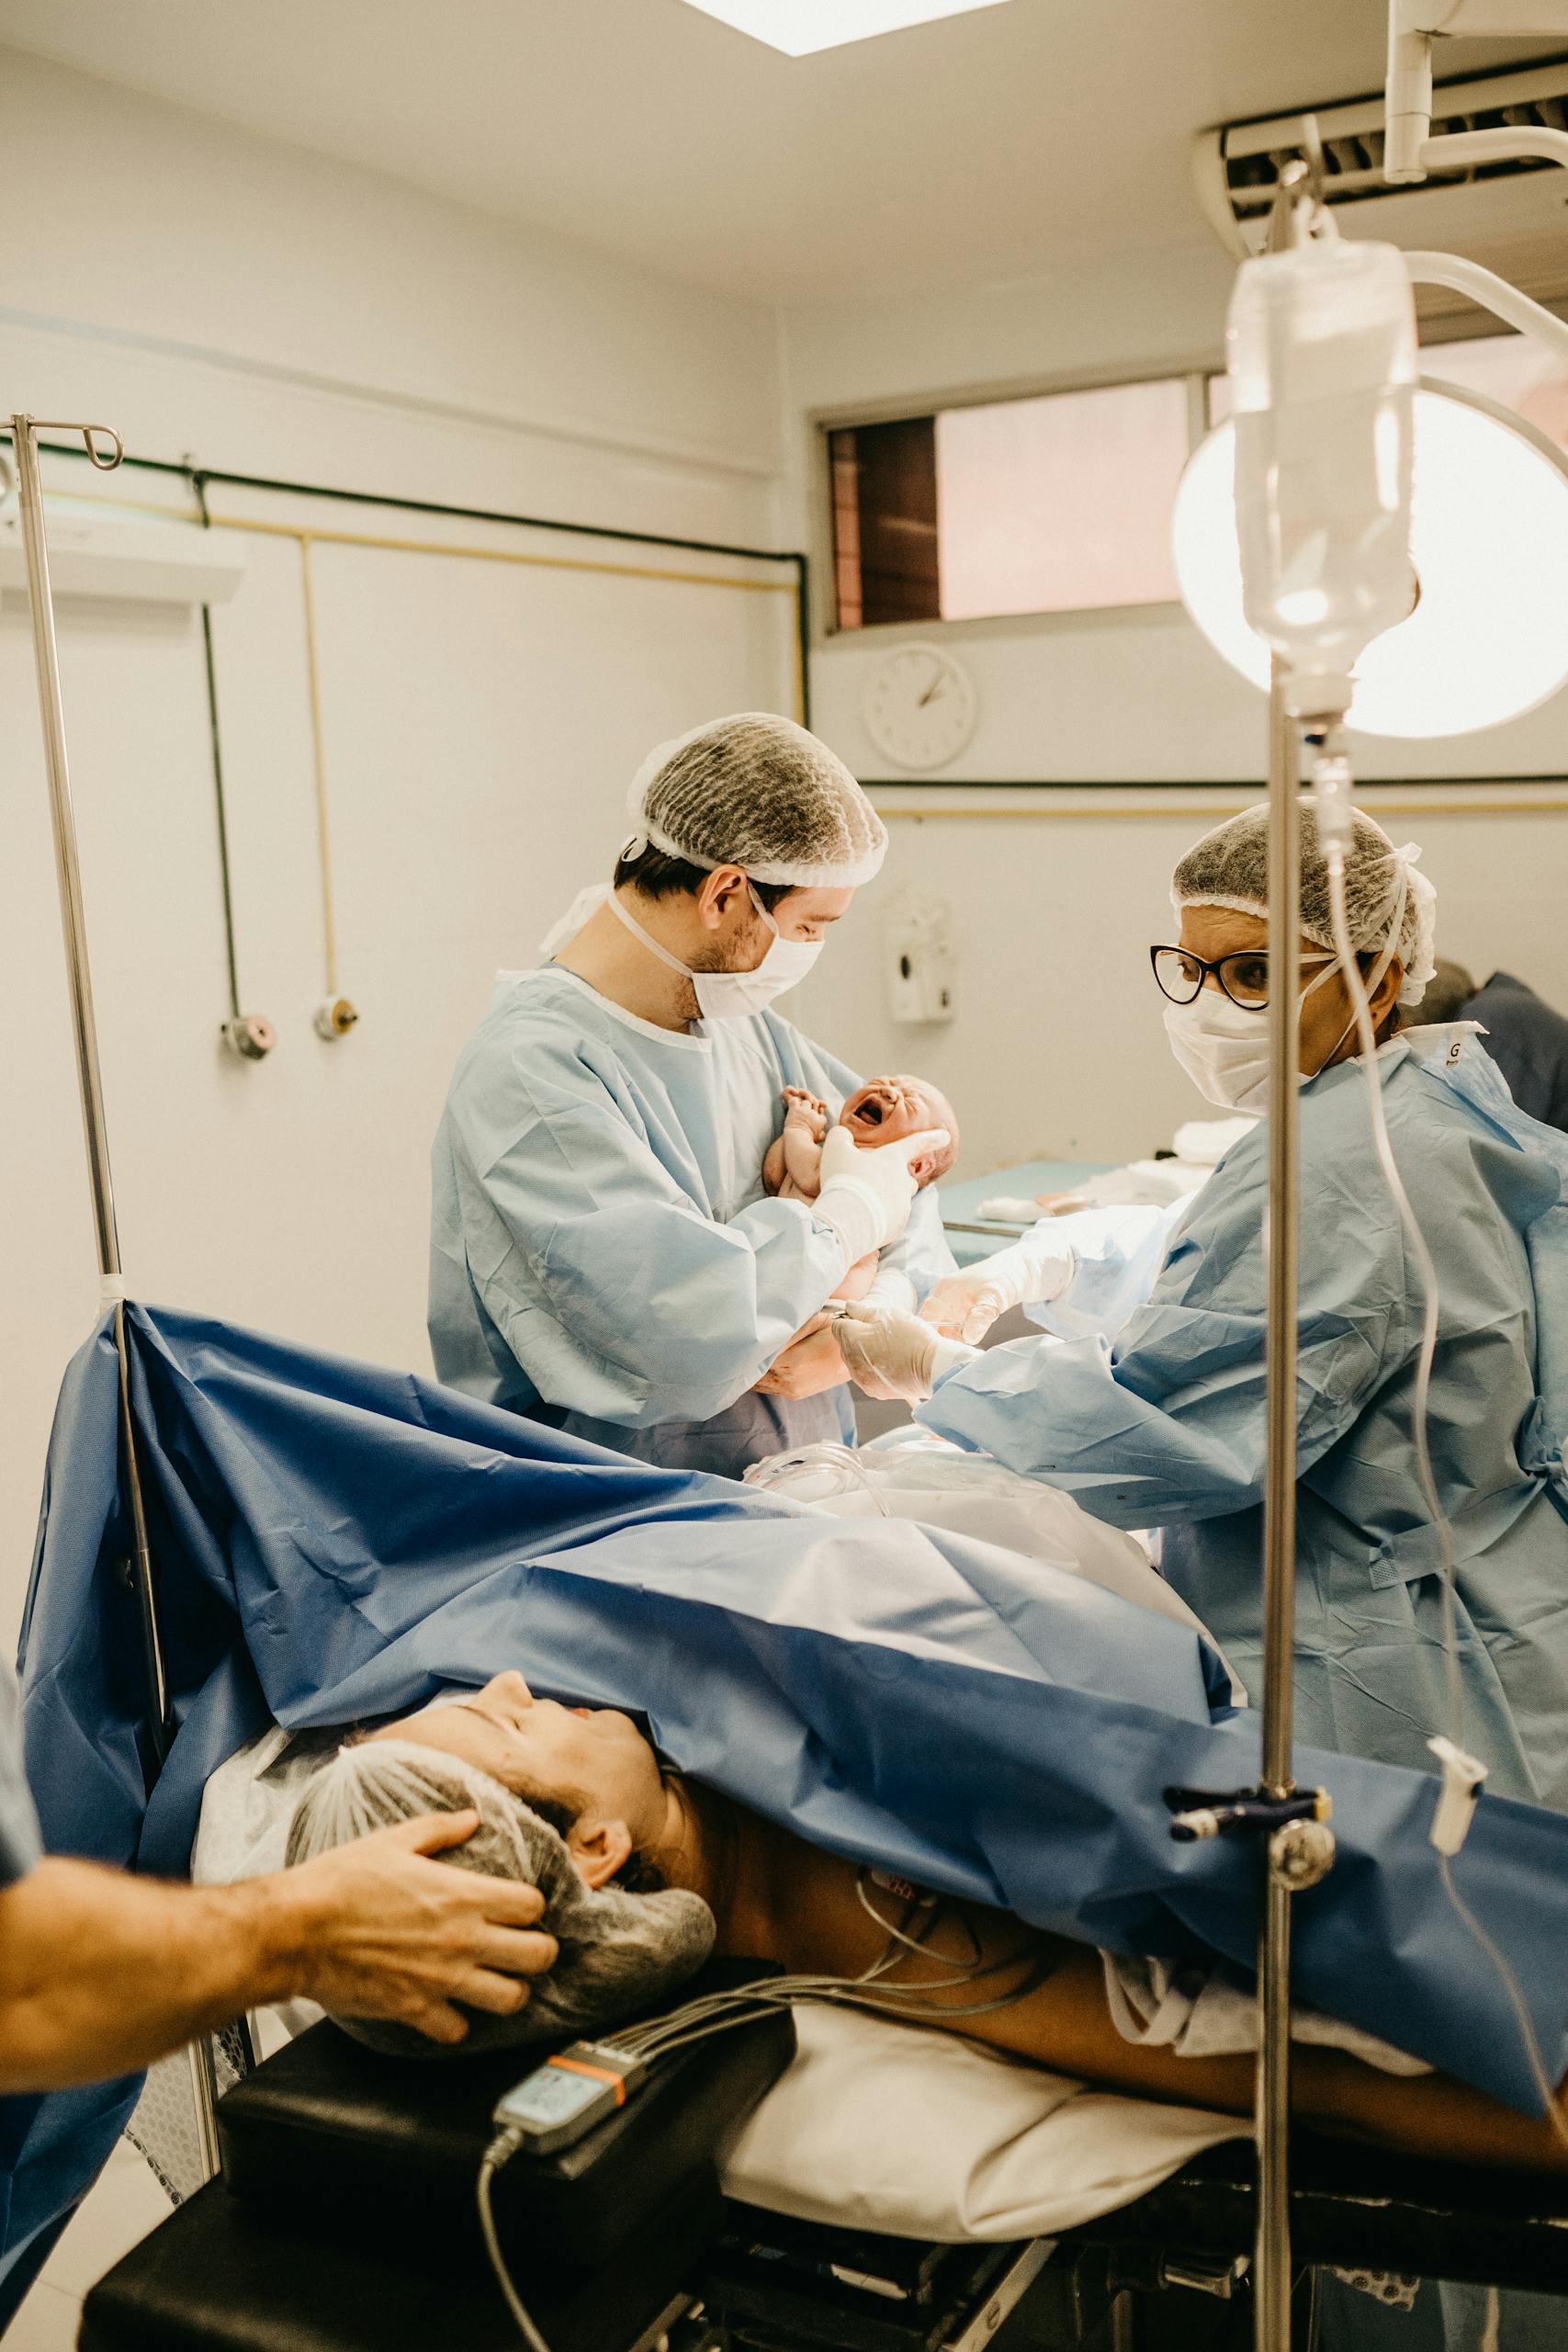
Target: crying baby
(885,1110)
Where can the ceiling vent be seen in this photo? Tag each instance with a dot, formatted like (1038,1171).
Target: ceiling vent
(1511,216)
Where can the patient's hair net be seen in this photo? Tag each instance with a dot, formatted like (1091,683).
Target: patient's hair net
(758,791)
(620,1953)
(1386,896)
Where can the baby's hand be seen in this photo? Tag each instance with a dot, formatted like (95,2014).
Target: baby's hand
(803,1109)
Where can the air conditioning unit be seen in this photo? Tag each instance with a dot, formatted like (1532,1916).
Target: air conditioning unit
(149,562)
(1513,217)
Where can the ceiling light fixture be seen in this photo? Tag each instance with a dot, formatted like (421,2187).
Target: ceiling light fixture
(801,26)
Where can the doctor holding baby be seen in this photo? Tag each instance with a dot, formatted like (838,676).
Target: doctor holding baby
(649,1190)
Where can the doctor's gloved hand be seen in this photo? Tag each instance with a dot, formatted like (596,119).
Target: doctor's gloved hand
(866,1195)
(1039,1267)
(964,1307)
(894,1355)
(384,1928)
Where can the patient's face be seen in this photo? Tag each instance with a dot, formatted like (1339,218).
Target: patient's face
(887,1110)
(591,1760)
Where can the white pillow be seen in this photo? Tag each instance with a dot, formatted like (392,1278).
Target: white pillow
(892,2126)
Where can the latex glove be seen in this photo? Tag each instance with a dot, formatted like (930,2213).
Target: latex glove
(964,1307)
(894,1356)
(1040,1267)
(810,1364)
(866,1195)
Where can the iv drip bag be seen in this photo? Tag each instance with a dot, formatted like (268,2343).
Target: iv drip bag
(1322,356)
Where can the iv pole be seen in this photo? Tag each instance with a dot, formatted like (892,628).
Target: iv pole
(1271,2284)
(23,431)
(1299,1851)
(1298,1844)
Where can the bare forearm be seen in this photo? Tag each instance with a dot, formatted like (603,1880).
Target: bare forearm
(1065,2024)
(812,1919)
(101,1973)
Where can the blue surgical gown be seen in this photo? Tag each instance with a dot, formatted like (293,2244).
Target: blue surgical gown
(1163,1426)
(602,1253)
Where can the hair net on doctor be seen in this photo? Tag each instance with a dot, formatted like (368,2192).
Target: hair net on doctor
(758,791)
(620,1952)
(1388,901)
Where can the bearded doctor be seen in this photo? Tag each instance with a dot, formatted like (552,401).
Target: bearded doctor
(603,1253)
(1147,1403)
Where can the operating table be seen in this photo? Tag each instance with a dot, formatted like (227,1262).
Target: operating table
(344,2220)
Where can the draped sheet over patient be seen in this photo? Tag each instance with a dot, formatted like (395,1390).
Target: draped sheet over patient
(336,1541)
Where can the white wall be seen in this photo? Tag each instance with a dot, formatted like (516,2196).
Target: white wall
(1058,1048)
(271,312)
(208,292)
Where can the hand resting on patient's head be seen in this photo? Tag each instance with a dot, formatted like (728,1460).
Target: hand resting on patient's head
(644,1871)
(626,1943)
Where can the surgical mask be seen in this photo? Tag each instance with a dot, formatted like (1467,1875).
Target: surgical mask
(727,996)
(1223,1048)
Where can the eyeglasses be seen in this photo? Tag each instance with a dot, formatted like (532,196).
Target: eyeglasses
(1243,976)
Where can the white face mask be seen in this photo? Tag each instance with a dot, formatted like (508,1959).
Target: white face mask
(726,996)
(1223,1048)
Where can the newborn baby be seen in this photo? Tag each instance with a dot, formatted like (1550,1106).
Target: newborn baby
(885,1110)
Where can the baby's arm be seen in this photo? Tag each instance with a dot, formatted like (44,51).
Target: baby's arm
(861,1276)
(799,1146)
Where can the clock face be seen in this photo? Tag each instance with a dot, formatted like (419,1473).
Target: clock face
(920,708)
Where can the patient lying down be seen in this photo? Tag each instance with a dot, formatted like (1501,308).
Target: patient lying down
(644,1871)
(885,1110)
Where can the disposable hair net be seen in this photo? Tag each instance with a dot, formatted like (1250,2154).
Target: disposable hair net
(1388,899)
(758,791)
(620,1953)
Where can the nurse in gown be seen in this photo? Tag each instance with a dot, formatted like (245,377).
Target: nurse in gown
(1146,1402)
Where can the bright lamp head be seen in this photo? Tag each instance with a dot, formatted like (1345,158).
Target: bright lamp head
(1488,640)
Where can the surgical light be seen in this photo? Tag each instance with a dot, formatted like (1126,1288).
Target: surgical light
(801,26)
(1488,638)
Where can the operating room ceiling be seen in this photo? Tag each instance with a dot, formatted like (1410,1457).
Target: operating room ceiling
(996,144)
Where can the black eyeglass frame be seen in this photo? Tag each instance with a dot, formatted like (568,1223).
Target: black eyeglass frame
(1217,967)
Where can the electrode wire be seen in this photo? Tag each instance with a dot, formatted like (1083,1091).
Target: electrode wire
(718,2013)
(499,2153)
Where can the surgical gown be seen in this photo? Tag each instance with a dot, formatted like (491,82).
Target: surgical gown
(603,1253)
(1164,1426)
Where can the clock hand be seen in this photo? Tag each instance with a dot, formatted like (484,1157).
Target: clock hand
(937,686)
